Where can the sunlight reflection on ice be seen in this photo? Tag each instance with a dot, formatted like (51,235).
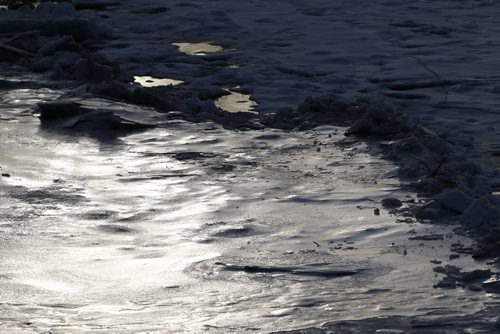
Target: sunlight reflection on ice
(236,102)
(148,81)
(51,285)
(198,49)
(29,97)
(204,257)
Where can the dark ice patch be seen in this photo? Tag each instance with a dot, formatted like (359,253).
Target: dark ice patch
(70,117)
(98,215)
(220,230)
(223,168)
(268,137)
(96,5)
(183,156)
(391,203)
(484,321)
(46,196)
(59,109)
(428,237)
(115,229)
(315,271)
(474,280)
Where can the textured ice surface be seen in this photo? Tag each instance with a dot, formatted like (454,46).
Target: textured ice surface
(198,49)
(191,227)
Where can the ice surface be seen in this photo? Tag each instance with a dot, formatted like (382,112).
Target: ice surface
(236,102)
(198,49)
(148,81)
(194,226)
(234,201)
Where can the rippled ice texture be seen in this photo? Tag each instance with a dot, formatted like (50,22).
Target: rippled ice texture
(192,227)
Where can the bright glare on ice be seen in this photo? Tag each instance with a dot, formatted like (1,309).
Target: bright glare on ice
(198,49)
(236,102)
(147,81)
